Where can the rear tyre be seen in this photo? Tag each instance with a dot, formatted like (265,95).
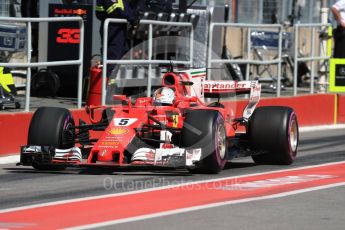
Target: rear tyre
(205,129)
(51,126)
(273,130)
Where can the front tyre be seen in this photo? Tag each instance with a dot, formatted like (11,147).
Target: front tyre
(273,130)
(51,126)
(205,129)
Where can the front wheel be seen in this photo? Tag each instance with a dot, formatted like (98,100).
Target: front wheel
(273,131)
(205,129)
(51,126)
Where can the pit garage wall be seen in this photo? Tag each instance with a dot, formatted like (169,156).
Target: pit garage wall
(311,110)
(341,109)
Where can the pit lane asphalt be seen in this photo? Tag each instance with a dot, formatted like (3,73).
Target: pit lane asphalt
(20,186)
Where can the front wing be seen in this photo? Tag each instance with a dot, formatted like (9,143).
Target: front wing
(163,157)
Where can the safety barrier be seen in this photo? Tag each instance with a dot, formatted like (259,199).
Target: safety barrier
(248,61)
(324,54)
(149,61)
(29,64)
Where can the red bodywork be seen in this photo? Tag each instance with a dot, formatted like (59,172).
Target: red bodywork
(130,117)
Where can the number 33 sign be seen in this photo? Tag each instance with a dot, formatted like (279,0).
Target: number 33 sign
(65,35)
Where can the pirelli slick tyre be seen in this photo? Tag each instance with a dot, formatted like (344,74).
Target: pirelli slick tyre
(273,131)
(205,129)
(51,126)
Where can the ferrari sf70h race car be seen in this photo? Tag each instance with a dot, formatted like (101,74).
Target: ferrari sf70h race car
(184,132)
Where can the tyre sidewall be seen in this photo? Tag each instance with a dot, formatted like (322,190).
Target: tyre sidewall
(47,127)
(199,131)
(269,131)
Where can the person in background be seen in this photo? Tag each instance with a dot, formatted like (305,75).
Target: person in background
(338,10)
(117,33)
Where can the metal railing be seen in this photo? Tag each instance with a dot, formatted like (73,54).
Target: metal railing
(28,63)
(248,61)
(149,61)
(312,58)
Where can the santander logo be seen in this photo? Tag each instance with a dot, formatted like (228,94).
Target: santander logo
(223,85)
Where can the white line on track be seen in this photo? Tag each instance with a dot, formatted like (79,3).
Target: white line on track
(322,127)
(201,207)
(11,159)
(161,188)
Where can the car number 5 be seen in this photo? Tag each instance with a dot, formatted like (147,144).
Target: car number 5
(123,121)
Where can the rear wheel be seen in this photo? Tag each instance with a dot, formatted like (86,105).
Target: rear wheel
(51,126)
(274,131)
(205,129)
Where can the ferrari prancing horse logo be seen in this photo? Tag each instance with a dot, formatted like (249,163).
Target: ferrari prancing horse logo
(175,120)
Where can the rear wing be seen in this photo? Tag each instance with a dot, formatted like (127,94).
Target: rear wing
(216,89)
(193,84)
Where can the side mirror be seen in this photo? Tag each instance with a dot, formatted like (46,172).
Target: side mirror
(90,110)
(87,109)
(189,83)
(119,98)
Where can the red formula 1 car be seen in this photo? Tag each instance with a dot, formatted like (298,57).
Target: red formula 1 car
(173,129)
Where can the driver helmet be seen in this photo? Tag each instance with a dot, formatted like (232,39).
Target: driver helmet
(164,96)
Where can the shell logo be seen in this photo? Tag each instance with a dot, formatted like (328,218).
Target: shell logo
(118,131)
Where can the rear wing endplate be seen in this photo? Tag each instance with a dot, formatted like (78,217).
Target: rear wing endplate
(214,89)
